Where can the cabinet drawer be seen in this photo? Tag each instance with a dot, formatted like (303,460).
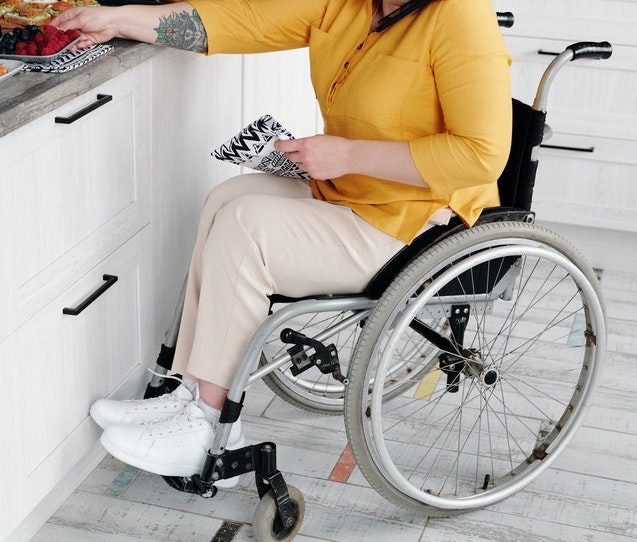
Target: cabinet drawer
(608,104)
(71,194)
(595,185)
(574,20)
(66,362)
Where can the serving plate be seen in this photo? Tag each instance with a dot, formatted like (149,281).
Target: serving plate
(14,66)
(38,59)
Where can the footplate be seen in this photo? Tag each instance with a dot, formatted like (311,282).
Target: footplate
(193,485)
(257,458)
(229,464)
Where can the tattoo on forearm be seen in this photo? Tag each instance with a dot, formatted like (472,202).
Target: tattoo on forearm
(183,31)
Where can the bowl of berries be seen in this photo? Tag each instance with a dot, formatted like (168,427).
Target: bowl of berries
(33,44)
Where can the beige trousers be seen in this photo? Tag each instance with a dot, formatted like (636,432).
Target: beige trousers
(260,234)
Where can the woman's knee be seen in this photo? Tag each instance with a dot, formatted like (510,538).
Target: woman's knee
(229,189)
(244,213)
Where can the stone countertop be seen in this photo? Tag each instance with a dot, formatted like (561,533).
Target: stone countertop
(28,95)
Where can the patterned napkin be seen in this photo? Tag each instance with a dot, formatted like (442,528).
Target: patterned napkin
(253,147)
(69,61)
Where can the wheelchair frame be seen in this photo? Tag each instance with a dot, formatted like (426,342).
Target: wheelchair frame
(281,508)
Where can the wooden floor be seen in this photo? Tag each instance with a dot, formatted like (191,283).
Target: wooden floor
(589,495)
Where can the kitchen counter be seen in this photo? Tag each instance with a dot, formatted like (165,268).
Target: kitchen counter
(28,95)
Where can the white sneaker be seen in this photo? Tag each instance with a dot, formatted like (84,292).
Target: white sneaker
(107,412)
(175,446)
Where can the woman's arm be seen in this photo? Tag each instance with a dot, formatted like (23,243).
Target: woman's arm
(176,25)
(329,157)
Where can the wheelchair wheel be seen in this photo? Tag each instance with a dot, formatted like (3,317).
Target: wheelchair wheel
(515,369)
(267,525)
(313,390)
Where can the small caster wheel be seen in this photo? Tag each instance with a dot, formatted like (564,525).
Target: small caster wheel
(267,525)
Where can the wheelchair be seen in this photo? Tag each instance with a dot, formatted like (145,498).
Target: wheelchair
(462,371)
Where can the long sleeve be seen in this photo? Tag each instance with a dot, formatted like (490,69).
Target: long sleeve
(471,70)
(248,26)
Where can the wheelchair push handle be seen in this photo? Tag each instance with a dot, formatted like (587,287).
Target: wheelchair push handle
(584,49)
(589,49)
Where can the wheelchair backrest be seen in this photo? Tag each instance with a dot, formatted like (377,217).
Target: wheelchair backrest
(517,180)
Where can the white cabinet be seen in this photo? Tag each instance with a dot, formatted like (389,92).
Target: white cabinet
(56,365)
(117,192)
(75,208)
(588,170)
(71,194)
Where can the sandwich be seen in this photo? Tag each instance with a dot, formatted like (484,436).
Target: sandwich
(28,14)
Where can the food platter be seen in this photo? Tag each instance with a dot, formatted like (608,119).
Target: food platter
(39,59)
(12,66)
(42,10)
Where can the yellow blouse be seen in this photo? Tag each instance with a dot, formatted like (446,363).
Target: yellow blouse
(438,78)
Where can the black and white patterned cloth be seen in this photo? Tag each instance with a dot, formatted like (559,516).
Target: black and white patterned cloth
(69,61)
(253,147)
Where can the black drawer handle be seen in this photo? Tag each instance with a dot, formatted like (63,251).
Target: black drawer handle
(566,148)
(101,100)
(109,280)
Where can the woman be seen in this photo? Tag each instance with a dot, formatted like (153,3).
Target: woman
(416,104)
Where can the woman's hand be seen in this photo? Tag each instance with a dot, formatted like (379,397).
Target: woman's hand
(328,157)
(95,24)
(323,157)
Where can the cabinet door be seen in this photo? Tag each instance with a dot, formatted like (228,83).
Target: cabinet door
(574,20)
(587,181)
(71,193)
(60,364)
(10,403)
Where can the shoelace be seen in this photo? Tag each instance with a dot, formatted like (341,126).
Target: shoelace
(191,413)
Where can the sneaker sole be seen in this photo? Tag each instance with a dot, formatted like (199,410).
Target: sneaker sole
(183,471)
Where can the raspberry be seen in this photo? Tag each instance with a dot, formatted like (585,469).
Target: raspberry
(56,45)
(47,41)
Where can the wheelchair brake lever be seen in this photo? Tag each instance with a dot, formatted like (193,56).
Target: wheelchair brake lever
(324,357)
